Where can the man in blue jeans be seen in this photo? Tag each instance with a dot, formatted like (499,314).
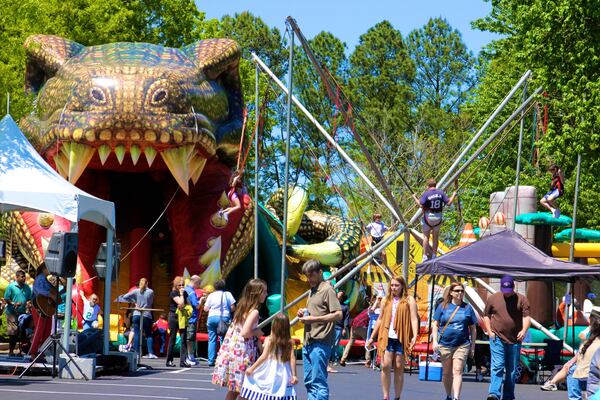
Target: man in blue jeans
(506,319)
(319,317)
(191,288)
(143,297)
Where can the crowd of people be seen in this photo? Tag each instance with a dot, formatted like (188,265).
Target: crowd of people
(29,310)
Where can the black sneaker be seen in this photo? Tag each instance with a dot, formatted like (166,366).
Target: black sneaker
(492,397)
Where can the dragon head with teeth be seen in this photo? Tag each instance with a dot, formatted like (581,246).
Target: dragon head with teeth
(99,108)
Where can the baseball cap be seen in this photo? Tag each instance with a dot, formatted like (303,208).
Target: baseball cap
(591,295)
(507,284)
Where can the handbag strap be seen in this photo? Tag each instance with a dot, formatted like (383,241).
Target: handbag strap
(221,306)
(448,322)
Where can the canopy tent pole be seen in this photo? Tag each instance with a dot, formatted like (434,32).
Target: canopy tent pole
(68,302)
(107,289)
(518,167)
(429,326)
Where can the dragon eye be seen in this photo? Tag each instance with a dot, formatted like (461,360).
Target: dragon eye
(98,95)
(159,96)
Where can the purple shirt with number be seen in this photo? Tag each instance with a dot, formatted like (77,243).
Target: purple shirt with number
(434,200)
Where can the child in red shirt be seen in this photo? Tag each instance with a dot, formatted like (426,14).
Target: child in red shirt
(159,328)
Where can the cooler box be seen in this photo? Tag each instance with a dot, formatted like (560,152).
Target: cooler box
(434,372)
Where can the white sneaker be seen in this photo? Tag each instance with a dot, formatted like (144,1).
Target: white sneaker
(192,362)
(153,356)
(549,387)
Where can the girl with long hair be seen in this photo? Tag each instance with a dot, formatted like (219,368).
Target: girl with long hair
(397,329)
(178,298)
(239,350)
(454,331)
(577,386)
(273,376)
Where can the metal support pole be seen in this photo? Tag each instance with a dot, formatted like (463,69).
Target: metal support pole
(574,223)
(518,168)
(256,153)
(405,255)
(489,140)
(570,286)
(107,288)
(331,140)
(68,303)
(287,170)
(363,258)
(487,123)
(442,181)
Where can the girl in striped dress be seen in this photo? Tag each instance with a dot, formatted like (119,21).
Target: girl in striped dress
(273,376)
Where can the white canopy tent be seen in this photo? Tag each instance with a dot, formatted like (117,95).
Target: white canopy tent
(28,183)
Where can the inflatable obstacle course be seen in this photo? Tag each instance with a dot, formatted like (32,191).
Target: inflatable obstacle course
(543,218)
(590,235)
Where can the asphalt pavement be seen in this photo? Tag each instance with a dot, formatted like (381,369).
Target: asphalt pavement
(351,382)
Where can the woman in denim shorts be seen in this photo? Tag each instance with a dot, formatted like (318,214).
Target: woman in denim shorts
(397,330)
(454,332)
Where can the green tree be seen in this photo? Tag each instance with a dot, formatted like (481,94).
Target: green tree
(380,80)
(168,22)
(316,164)
(444,65)
(254,36)
(558,41)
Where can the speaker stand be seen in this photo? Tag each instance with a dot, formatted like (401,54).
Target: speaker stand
(54,341)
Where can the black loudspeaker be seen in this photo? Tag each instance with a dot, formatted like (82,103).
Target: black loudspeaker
(100,263)
(61,256)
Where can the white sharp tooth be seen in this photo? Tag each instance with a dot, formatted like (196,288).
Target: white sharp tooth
(103,153)
(135,153)
(120,153)
(177,160)
(62,164)
(65,149)
(197,164)
(80,156)
(150,154)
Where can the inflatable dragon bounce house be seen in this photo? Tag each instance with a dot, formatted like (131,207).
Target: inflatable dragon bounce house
(99,109)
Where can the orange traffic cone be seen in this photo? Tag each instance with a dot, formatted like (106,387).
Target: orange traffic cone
(467,236)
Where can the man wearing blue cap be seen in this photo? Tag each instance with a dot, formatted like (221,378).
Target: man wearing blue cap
(506,319)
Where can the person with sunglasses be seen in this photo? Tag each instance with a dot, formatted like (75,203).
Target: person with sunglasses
(454,331)
(178,299)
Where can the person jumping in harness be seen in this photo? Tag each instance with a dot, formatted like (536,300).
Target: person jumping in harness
(557,187)
(432,202)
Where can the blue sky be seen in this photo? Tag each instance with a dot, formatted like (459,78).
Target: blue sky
(349,19)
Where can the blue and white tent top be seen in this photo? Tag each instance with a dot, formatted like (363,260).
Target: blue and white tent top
(28,183)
